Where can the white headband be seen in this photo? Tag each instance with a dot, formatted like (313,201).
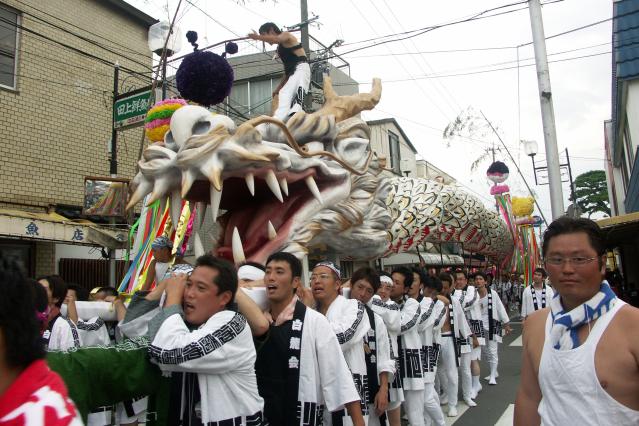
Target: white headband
(386,279)
(250,272)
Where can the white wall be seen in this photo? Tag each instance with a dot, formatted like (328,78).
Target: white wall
(632,113)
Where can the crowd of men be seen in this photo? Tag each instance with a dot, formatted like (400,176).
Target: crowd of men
(198,348)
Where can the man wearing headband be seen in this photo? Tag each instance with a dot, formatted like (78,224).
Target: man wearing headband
(301,371)
(162,248)
(350,324)
(385,307)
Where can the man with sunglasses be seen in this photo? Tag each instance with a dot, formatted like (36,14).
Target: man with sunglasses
(581,354)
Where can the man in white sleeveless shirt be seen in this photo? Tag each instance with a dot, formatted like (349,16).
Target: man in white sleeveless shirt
(580,355)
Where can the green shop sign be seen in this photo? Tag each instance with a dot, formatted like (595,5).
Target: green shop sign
(130,108)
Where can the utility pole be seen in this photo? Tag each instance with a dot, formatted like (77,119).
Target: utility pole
(547,112)
(113,166)
(304,27)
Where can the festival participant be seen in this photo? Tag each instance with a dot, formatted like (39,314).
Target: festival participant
(30,393)
(430,323)
(409,345)
(469,369)
(161,247)
(455,331)
(382,305)
(207,347)
(536,296)
(61,333)
(301,371)
(350,323)
(579,363)
(379,363)
(494,322)
(297,73)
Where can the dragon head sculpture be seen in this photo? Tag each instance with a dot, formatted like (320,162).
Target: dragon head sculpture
(316,181)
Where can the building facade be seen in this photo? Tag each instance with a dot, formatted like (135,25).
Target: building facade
(56,91)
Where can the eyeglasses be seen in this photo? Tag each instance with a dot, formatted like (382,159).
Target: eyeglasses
(320,277)
(577,261)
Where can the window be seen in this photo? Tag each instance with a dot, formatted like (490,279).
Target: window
(393,147)
(251,98)
(9,21)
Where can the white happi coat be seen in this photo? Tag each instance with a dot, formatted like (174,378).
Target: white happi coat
(527,302)
(93,332)
(500,316)
(325,379)
(63,335)
(462,329)
(385,362)
(469,300)
(390,314)
(350,323)
(430,324)
(221,352)
(410,357)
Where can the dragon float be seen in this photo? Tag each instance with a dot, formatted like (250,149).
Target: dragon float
(313,181)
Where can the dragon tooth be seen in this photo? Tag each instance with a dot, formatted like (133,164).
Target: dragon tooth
(176,208)
(198,247)
(238,250)
(284,186)
(250,182)
(188,177)
(312,185)
(200,213)
(215,177)
(272,234)
(274,185)
(216,197)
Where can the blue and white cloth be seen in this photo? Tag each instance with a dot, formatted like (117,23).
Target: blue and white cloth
(563,333)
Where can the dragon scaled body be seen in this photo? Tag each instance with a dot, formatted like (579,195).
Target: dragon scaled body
(314,182)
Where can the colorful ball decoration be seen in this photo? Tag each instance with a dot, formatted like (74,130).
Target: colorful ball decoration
(497,172)
(204,77)
(158,118)
(523,206)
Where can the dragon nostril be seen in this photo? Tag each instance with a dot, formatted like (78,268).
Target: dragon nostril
(201,127)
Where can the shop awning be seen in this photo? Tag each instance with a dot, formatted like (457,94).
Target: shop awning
(53,227)
(620,229)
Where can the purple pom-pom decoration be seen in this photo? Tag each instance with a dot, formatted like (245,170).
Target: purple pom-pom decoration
(205,78)
(497,172)
(231,48)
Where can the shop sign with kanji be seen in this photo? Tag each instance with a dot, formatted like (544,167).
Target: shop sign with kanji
(130,109)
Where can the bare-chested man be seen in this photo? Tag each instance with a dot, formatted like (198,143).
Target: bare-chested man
(580,363)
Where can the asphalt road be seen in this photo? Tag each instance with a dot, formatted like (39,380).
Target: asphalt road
(495,404)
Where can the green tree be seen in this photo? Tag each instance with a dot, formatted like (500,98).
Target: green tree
(591,192)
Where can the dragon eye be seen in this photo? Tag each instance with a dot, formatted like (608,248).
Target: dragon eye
(313,147)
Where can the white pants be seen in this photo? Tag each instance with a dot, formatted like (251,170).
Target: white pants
(414,406)
(464,372)
(491,355)
(373,420)
(431,406)
(448,377)
(291,97)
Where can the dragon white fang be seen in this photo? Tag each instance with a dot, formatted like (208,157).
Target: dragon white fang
(316,182)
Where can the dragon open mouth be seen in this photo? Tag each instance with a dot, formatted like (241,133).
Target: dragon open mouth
(262,207)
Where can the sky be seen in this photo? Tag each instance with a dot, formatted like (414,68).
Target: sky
(429,79)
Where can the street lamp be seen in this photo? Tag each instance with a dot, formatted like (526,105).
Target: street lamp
(531,149)
(158,34)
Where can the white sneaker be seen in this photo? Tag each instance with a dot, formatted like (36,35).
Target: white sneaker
(492,381)
(470,402)
(452,411)
(478,389)
(473,393)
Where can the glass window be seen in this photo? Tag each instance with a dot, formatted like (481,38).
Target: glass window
(8,45)
(393,145)
(239,101)
(261,96)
